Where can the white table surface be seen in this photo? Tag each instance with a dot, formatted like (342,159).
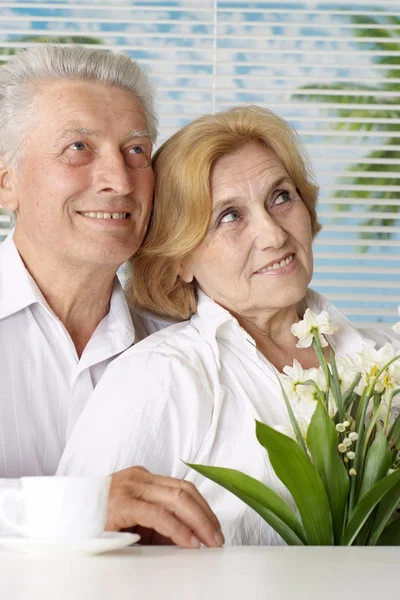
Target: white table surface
(147,573)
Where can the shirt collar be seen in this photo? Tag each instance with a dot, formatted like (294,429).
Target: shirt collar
(215,322)
(17,288)
(119,313)
(114,334)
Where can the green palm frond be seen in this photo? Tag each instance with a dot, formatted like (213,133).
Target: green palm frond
(374,119)
(61,39)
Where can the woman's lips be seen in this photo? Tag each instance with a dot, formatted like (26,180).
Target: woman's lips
(278,267)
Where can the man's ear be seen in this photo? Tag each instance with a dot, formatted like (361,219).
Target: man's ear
(8,196)
(185,272)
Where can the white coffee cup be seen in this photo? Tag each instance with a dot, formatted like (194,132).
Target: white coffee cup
(58,508)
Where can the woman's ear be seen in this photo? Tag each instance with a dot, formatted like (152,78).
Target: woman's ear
(8,196)
(185,272)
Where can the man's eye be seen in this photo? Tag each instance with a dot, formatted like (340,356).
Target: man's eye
(136,150)
(230,217)
(77,146)
(137,157)
(282,198)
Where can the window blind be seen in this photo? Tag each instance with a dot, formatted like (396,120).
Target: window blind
(332,69)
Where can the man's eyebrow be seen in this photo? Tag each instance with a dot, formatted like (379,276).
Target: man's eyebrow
(79,131)
(135,133)
(232,200)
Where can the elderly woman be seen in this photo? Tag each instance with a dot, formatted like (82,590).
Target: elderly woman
(228,254)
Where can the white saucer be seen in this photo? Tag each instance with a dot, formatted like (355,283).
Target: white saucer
(106,542)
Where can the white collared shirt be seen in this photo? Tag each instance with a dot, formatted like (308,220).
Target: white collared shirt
(192,392)
(44,386)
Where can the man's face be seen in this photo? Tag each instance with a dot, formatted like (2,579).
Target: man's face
(83,189)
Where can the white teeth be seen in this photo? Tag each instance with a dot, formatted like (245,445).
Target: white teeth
(104,215)
(277,265)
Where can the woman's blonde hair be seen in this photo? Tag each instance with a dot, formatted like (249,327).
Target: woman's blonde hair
(182,201)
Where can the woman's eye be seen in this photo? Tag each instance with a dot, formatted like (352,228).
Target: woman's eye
(229,217)
(77,146)
(282,198)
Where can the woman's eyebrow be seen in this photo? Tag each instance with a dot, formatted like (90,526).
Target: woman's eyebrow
(225,203)
(278,182)
(232,200)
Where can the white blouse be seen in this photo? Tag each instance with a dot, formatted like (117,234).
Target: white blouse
(192,392)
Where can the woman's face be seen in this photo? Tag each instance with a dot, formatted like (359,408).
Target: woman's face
(256,255)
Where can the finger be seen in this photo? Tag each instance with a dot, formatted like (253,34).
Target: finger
(149,537)
(153,516)
(160,540)
(135,483)
(134,475)
(187,510)
(190,489)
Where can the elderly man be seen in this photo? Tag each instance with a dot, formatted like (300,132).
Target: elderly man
(76,140)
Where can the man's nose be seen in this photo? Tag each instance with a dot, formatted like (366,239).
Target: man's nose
(267,231)
(113,176)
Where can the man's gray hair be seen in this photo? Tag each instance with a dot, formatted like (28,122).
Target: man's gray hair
(48,62)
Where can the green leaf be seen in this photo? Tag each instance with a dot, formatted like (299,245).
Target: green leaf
(261,498)
(387,508)
(377,462)
(394,429)
(299,475)
(335,385)
(390,535)
(348,396)
(322,442)
(365,506)
(293,420)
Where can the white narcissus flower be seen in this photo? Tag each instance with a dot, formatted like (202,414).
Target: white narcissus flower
(287,430)
(347,371)
(396,326)
(369,361)
(303,398)
(311,324)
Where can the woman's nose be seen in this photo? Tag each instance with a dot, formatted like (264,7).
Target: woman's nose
(268,233)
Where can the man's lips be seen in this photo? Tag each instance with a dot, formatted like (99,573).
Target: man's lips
(278,263)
